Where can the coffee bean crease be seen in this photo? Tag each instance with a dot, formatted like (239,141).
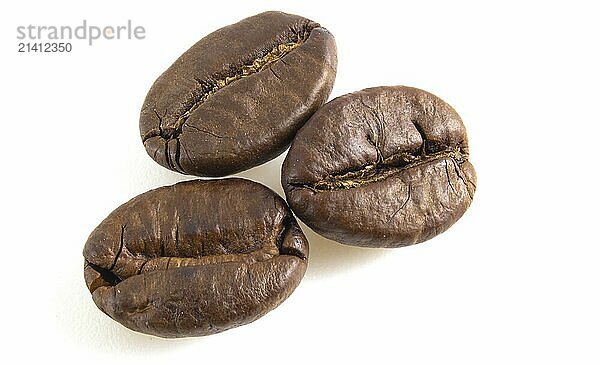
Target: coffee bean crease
(221,253)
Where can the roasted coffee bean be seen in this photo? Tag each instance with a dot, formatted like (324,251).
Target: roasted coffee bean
(195,258)
(237,97)
(382,167)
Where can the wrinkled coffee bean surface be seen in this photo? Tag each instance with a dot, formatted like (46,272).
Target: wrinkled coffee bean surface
(237,97)
(195,258)
(382,167)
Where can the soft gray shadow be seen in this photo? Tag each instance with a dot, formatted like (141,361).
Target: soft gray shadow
(328,258)
(268,174)
(140,173)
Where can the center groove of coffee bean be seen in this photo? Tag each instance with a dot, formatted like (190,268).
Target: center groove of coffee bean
(257,65)
(268,250)
(380,170)
(208,88)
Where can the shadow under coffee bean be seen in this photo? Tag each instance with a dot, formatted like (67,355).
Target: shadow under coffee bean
(195,258)
(237,97)
(382,167)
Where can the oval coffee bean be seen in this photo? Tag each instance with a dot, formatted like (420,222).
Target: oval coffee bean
(237,97)
(382,167)
(195,258)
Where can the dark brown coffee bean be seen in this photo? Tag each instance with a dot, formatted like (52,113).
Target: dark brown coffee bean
(195,258)
(382,167)
(237,97)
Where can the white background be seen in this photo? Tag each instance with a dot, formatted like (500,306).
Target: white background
(515,281)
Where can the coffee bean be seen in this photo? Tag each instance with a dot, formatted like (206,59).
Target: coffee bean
(237,97)
(382,167)
(195,258)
